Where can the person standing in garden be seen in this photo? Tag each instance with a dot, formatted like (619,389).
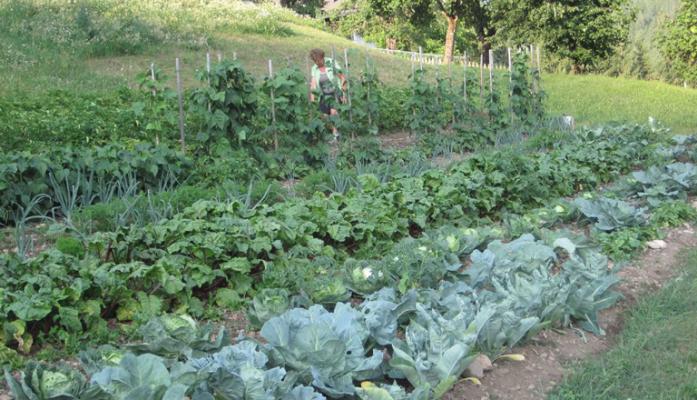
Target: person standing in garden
(328,83)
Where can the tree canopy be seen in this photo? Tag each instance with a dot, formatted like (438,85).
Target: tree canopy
(678,41)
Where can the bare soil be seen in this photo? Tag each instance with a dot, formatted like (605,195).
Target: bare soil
(397,140)
(548,356)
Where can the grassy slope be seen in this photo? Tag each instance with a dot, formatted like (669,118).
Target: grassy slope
(591,99)
(656,355)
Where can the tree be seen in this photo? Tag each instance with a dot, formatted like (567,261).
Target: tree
(473,13)
(678,41)
(583,31)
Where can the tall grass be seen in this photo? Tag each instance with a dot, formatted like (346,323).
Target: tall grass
(121,27)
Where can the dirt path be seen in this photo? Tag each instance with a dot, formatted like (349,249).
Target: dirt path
(548,355)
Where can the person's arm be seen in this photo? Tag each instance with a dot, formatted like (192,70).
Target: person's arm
(313,86)
(344,85)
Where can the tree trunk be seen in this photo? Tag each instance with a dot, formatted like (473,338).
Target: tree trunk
(485,45)
(450,38)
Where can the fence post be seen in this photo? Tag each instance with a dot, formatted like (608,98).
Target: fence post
(273,108)
(180,98)
(539,64)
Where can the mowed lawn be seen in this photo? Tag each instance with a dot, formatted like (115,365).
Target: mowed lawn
(595,99)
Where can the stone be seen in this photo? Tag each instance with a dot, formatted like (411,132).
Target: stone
(478,366)
(657,244)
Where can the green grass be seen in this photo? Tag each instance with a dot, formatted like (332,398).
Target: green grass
(30,67)
(594,99)
(656,355)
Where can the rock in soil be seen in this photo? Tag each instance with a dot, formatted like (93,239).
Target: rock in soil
(657,244)
(478,366)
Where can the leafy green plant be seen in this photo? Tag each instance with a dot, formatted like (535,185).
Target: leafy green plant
(422,111)
(229,104)
(156,112)
(611,214)
(673,213)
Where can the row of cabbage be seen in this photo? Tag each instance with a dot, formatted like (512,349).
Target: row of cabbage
(425,336)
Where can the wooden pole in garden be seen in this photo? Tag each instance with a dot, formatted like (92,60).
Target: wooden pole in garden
(464,77)
(481,77)
(421,58)
(367,94)
(154,94)
(539,64)
(309,79)
(510,66)
(491,74)
(273,108)
(220,57)
(208,75)
(348,91)
(180,98)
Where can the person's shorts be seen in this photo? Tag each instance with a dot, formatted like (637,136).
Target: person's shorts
(327,102)
(324,107)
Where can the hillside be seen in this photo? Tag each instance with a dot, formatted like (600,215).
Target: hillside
(31,68)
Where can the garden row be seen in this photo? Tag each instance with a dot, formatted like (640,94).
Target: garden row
(231,107)
(67,178)
(475,294)
(222,252)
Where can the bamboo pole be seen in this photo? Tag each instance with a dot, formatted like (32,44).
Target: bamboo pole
(491,73)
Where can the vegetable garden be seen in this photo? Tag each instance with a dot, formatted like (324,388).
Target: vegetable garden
(377,275)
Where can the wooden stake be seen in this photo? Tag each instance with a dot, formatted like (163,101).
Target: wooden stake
(273,109)
(510,66)
(309,79)
(367,94)
(539,64)
(220,57)
(180,98)
(154,94)
(481,77)
(348,91)
(491,73)
(421,58)
(464,77)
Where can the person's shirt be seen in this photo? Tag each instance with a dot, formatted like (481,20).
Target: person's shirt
(327,81)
